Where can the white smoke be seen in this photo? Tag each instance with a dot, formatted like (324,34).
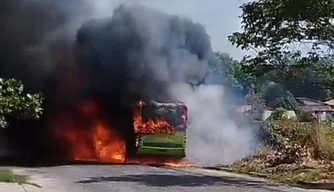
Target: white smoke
(212,137)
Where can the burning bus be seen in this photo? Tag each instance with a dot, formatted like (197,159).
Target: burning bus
(157,130)
(160,128)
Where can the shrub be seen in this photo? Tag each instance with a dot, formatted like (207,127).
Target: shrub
(16,103)
(293,151)
(298,140)
(279,114)
(305,116)
(326,141)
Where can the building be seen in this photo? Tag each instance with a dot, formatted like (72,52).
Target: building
(319,109)
(330,103)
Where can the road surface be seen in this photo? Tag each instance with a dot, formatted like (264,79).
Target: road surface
(135,178)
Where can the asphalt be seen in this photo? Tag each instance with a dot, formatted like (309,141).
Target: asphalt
(136,178)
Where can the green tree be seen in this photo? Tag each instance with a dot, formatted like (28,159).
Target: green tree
(314,79)
(272,27)
(258,105)
(232,71)
(14,102)
(223,69)
(275,95)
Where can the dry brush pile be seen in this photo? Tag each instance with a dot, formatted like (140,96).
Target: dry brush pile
(293,151)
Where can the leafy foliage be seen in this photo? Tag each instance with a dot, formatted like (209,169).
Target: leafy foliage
(14,102)
(279,114)
(223,69)
(272,27)
(258,105)
(306,116)
(301,78)
(276,96)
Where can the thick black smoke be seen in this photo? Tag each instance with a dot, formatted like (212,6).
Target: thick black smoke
(31,31)
(137,54)
(24,26)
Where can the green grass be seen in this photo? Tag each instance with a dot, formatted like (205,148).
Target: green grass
(8,176)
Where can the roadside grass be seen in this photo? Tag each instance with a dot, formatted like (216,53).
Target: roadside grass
(8,176)
(290,174)
(304,152)
(326,141)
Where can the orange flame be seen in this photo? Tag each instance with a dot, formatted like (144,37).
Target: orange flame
(94,141)
(152,125)
(89,138)
(160,161)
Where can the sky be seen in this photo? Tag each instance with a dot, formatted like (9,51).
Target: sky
(219,17)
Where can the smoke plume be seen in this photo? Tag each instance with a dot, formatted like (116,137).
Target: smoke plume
(214,138)
(139,52)
(86,50)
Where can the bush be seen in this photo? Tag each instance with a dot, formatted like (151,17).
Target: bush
(279,114)
(16,103)
(297,141)
(326,141)
(293,151)
(258,105)
(282,97)
(306,116)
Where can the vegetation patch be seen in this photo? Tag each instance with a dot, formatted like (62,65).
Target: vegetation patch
(8,176)
(16,103)
(302,151)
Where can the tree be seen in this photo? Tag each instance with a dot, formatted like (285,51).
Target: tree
(272,27)
(279,97)
(314,79)
(231,73)
(221,68)
(14,102)
(258,105)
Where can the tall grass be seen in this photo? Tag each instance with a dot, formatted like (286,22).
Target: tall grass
(317,137)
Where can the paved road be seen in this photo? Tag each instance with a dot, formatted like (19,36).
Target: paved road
(133,178)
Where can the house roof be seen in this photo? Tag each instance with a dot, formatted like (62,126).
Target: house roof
(330,102)
(309,102)
(320,108)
